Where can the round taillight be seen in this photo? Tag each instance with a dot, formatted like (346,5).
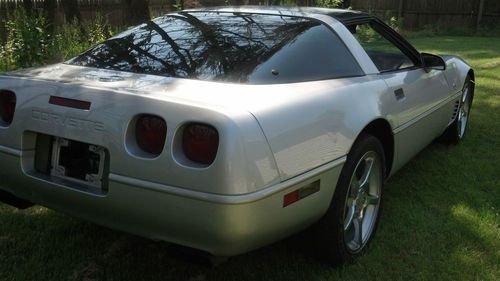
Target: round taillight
(200,143)
(150,133)
(7,106)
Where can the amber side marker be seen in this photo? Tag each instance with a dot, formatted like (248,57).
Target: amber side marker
(78,104)
(301,193)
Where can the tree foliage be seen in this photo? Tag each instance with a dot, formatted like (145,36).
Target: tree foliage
(332,3)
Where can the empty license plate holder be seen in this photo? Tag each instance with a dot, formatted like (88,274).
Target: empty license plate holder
(78,162)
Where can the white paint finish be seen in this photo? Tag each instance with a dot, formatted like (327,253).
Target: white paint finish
(306,129)
(225,227)
(456,71)
(414,136)
(422,92)
(244,162)
(314,126)
(420,115)
(224,199)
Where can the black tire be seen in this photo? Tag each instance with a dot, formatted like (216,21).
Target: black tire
(338,241)
(456,130)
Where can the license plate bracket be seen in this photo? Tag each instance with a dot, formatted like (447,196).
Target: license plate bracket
(78,162)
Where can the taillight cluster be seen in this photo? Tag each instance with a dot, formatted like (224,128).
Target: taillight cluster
(150,133)
(7,107)
(199,142)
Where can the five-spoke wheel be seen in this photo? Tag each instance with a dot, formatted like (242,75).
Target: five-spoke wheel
(350,223)
(362,201)
(456,131)
(464,110)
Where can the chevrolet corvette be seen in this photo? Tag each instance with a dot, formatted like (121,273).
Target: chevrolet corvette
(226,129)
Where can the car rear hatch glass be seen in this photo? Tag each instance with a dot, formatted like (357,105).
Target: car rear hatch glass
(230,47)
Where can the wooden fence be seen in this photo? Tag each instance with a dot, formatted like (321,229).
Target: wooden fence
(443,14)
(415,14)
(111,10)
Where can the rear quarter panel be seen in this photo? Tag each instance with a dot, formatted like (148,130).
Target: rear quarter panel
(313,123)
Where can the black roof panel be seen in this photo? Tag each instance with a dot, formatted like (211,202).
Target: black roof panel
(344,16)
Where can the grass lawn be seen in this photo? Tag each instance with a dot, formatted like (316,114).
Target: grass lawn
(441,219)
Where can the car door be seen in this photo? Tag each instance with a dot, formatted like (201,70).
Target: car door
(416,107)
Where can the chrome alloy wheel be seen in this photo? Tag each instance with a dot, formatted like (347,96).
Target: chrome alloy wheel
(463,113)
(363,201)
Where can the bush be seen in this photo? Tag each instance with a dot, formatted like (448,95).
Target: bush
(329,3)
(73,39)
(30,43)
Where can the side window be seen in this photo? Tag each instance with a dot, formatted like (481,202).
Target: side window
(317,53)
(384,54)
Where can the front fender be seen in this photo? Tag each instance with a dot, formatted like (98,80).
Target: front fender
(456,71)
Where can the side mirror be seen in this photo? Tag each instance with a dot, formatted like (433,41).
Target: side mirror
(430,61)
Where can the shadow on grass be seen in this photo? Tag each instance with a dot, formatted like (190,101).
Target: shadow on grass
(41,243)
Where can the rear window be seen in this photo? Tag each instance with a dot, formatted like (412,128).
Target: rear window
(231,47)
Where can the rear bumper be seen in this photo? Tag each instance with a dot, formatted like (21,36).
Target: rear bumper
(222,225)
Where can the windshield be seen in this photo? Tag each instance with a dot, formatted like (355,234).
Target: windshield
(232,47)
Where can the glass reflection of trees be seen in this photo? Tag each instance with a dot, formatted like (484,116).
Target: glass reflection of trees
(209,46)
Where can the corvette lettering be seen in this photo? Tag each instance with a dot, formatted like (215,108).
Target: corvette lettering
(66,121)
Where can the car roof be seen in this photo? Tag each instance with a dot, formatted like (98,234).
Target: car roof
(344,16)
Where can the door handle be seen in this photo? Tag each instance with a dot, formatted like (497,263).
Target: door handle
(399,94)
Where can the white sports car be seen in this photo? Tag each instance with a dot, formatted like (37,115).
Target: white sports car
(226,129)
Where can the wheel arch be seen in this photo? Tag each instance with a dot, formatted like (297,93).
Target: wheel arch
(473,84)
(472,75)
(382,130)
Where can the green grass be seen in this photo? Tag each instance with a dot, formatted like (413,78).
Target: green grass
(440,220)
